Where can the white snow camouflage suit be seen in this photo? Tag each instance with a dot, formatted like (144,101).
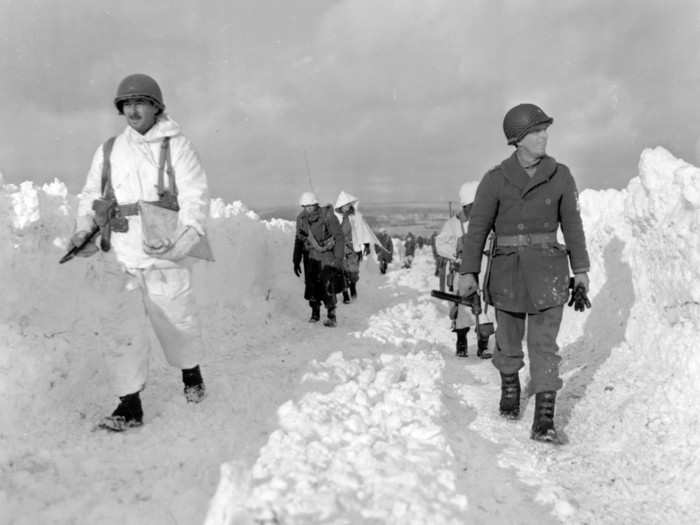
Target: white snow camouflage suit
(136,279)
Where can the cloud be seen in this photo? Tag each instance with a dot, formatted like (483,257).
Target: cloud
(402,97)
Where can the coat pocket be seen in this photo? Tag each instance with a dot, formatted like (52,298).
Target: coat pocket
(502,279)
(546,272)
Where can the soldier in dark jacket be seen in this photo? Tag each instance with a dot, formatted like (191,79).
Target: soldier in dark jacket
(524,200)
(409,250)
(319,243)
(384,250)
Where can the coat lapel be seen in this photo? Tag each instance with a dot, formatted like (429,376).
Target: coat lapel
(544,172)
(514,173)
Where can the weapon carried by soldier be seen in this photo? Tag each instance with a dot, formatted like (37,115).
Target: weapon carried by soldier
(473,302)
(106,219)
(76,249)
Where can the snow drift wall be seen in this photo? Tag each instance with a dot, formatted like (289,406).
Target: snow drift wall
(49,331)
(637,349)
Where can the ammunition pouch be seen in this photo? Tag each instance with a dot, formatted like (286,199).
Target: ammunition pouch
(120,223)
(104,211)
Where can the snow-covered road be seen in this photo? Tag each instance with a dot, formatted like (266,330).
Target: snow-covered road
(382,437)
(349,425)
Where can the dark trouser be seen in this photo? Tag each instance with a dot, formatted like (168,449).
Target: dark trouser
(351,270)
(542,330)
(321,282)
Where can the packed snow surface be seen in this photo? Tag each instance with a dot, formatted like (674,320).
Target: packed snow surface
(375,421)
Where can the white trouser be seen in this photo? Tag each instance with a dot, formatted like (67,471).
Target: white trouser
(167,298)
(463,315)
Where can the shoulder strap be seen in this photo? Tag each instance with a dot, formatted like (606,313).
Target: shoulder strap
(165,164)
(107,190)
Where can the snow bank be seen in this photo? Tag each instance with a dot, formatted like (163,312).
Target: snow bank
(370,449)
(49,333)
(639,416)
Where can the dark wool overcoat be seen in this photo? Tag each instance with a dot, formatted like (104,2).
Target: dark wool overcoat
(533,277)
(387,254)
(326,230)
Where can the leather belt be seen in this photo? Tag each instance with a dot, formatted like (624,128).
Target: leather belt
(526,239)
(128,209)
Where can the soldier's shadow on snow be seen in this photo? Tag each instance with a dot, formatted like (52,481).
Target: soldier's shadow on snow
(603,330)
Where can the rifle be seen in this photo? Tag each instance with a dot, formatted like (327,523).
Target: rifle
(76,249)
(473,301)
(489,261)
(106,219)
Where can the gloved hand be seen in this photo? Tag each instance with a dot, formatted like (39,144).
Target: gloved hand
(366,252)
(579,293)
(297,269)
(78,239)
(177,250)
(467,284)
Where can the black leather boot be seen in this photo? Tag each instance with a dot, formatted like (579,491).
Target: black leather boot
(195,390)
(483,347)
(353,290)
(510,396)
(543,422)
(128,414)
(331,321)
(315,312)
(461,342)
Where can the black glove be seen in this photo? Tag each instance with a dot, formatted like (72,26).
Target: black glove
(297,269)
(366,252)
(579,298)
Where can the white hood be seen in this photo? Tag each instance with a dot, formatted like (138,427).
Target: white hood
(345,198)
(361,232)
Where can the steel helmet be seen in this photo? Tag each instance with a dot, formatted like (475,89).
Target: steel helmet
(467,192)
(138,85)
(523,119)
(307,199)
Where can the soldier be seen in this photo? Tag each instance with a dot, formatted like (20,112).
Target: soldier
(319,242)
(448,245)
(358,239)
(384,250)
(126,170)
(524,200)
(409,245)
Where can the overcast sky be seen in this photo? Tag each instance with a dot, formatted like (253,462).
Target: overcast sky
(392,100)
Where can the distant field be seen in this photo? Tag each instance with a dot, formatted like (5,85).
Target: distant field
(420,218)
